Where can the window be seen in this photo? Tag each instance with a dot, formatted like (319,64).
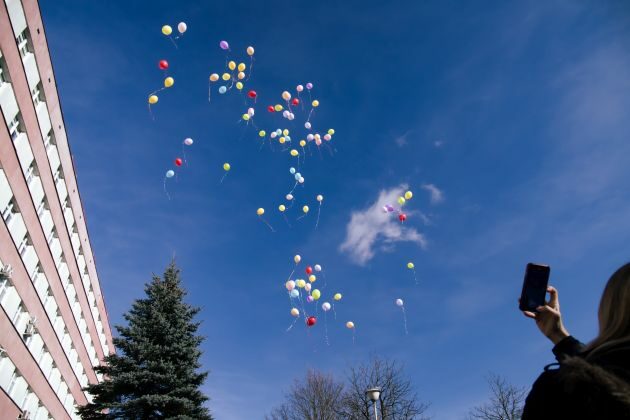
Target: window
(23,43)
(23,245)
(15,127)
(4,286)
(42,206)
(13,381)
(4,74)
(59,175)
(37,95)
(50,140)
(51,236)
(31,173)
(9,210)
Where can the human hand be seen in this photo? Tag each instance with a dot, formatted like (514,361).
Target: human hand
(549,319)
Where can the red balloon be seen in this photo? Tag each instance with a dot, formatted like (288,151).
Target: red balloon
(402,217)
(295,101)
(310,321)
(178,162)
(270,108)
(252,94)
(163,64)
(309,270)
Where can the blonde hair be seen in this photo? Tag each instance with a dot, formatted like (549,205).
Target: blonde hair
(614,312)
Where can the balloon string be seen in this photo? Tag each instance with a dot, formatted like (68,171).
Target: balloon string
(292,201)
(294,321)
(405,319)
(165,190)
(326,329)
(354,331)
(293,189)
(292,271)
(334,312)
(173,41)
(414,276)
(151,113)
(251,69)
(184,155)
(267,223)
(319,209)
(302,216)
(209,91)
(222,178)
(286,220)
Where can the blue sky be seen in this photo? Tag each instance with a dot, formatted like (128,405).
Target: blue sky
(516,112)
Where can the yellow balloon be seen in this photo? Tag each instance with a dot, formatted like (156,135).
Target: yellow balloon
(226,167)
(349,325)
(331,131)
(246,117)
(300,283)
(240,75)
(262,133)
(285,132)
(312,278)
(250,51)
(241,66)
(401,200)
(316,294)
(286,95)
(410,265)
(302,143)
(239,85)
(281,140)
(153,99)
(168,82)
(226,76)
(295,312)
(278,108)
(167,30)
(408,195)
(305,209)
(231,65)
(294,152)
(337,296)
(282,208)
(315,103)
(260,211)
(214,77)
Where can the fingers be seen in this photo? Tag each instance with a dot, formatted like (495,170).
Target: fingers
(553,296)
(547,309)
(529,314)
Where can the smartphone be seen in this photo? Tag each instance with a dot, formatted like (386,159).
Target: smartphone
(534,287)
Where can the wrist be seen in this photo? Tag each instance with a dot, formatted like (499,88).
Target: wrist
(559,335)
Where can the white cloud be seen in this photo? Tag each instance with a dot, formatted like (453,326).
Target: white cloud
(437,196)
(371,227)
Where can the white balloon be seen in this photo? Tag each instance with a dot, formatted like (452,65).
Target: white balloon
(170,173)
(299,88)
(307,125)
(320,198)
(289,197)
(285,113)
(188,141)
(399,302)
(181,27)
(274,135)
(307,287)
(250,112)
(310,137)
(318,268)
(326,306)
(295,312)
(301,180)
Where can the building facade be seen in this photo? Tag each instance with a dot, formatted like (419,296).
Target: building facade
(54,327)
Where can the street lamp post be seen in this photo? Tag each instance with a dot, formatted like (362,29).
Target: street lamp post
(374,394)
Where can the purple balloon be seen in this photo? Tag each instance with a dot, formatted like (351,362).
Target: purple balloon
(389,208)
(224,45)
(309,299)
(309,86)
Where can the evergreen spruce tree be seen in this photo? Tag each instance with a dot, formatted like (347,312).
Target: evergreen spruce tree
(155,374)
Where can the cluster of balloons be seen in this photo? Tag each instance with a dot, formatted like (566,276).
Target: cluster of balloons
(233,75)
(178,163)
(168,31)
(388,208)
(163,65)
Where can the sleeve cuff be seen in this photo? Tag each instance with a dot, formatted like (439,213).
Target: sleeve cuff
(567,347)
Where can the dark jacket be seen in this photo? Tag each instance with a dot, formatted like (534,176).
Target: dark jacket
(582,386)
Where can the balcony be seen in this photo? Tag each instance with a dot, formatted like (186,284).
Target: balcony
(71,292)
(55,248)
(81,263)
(69,216)
(30,259)
(53,157)
(41,284)
(62,190)
(18,21)
(24,152)
(17,228)
(36,189)
(8,103)
(5,191)
(44,118)
(64,273)
(32,75)
(47,222)
(76,242)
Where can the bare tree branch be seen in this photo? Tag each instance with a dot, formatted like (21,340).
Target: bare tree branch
(506,401)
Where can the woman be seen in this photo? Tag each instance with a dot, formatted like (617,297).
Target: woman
(591,381)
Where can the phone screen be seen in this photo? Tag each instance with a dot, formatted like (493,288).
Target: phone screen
(534,286)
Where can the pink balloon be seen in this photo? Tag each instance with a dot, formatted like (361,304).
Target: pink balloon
(224,45)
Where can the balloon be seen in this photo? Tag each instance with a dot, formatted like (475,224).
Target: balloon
(331,131)
(384,209)
(226,167)
(214,77)
(167,30)
(188,141)
(282,140)
(294,152)
(274,135)
(286,95)
(153,99)
(399,302)
(402,217)
(278,108)
(246,117)
(297,259)
(299,88)
(260,211)
(312,278)
(318,268)
(281,207)
(178,162)
(285,114)
(309,299)
(252,94)
(181,27)
(305,208)
(170,173)
(307,287)
(297,176)
(231,65)
(250,51)
(241,67)
(408,195)
(318,141)
(262,133)
(327,137)
(224,45)
(410,265)
(226,76)
(300,283)
(309,270)
(290,285)
(270,108)
(316,294)
(401,200)
(320,198)
(295,101)
(301,181)
(315,103)
(295,312)
(310,137)
(389,208)
(240,76)
(289,197)
(222,89)
(163,64)
(309,86)
(337,296)
(307,125)
(349,325)
(326,306)
(279,132)
(292,170)
(294,293)
(168,82)
(251,112)
(311,320)
(285,132)
(302,143)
